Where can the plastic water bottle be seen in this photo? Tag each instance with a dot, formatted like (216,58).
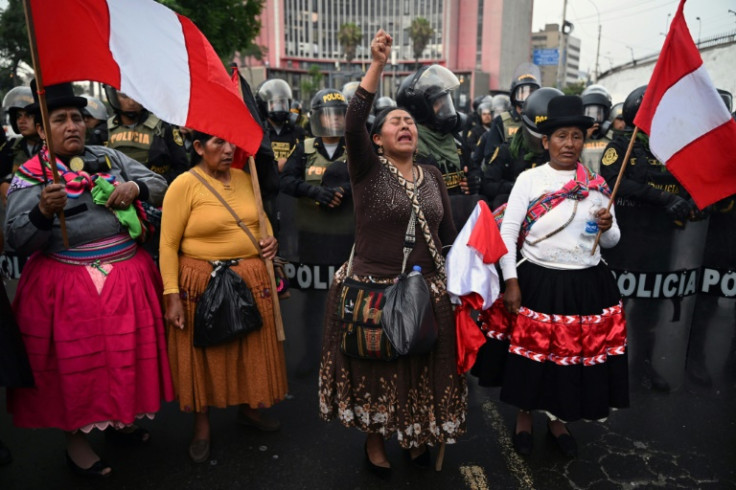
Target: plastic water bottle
(415,271)
(591,225)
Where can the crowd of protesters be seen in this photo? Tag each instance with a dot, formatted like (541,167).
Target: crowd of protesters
(136,191)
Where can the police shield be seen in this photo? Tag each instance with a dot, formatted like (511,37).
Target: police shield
(657,266)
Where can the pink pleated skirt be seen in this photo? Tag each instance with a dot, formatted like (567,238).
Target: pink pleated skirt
(95,342)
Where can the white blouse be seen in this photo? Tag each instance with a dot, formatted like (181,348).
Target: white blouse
(569,248)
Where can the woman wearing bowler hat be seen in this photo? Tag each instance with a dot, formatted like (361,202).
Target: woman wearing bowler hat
(560,316)
(90,312)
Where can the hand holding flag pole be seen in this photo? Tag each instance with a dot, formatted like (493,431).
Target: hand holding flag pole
(615,186)
(44,110)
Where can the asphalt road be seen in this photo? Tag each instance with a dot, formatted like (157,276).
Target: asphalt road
(685,439)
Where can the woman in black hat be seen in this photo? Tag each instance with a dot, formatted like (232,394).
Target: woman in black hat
(563,323)
(89,313)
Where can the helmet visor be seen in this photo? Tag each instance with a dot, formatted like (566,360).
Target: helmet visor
(436,78)
(443,107)
(328,121)
(597,112)
(522,92)
(278,104)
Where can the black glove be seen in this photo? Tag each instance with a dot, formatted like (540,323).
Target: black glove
(322,195)
(675,206)
(474,178)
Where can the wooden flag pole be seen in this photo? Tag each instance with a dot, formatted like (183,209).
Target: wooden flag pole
(262,220)
(618,182)
(44,110)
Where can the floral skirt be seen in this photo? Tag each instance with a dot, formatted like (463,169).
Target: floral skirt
(422,399)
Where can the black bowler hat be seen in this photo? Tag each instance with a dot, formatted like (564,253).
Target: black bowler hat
(60,95)
(565,111)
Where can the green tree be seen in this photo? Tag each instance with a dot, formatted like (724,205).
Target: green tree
(310,84)
(229,25)
(420,32)
(574,88)
(349,37)
(14,48)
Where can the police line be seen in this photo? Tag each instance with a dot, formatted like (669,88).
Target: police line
(670,284)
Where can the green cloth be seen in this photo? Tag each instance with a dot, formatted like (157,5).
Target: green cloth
(128,217)
(518,144)
(440,146)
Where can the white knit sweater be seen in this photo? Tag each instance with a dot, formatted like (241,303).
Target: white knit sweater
(567,249)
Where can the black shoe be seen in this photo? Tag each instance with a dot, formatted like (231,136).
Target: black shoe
(5,456)
(128,436)
(380,471)
(97,470)
(523,442)
(565,442)
(423,461)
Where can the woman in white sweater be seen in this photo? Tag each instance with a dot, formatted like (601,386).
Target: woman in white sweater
(564,324)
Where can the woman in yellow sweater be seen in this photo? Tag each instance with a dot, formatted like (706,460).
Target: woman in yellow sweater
(196,228)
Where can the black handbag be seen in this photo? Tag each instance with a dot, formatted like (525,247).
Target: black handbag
(226,310)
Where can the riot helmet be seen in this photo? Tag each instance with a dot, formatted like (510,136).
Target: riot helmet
(17,99)
(348,90)
(499,104)
(328,113)
(274,100)
(727,98)
(122,103)
(616,117)
(427,95)
(631,105)
(95,109)
(382,103)
(485,109)
(534,112)
(296,107)
(525,81)
(596,102)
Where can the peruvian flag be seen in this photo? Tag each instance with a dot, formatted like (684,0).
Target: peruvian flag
(145,50)
(472,280)
(689,127)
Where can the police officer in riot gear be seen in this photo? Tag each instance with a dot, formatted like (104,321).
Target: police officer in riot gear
(95,118)
(616,118)
(525,82)
(144,137)
(499,104)
(522,152)
(484,115)
(16,151)
(348,90)
(382,103)
(645,179)
(427,95)
(597,104)
(317,174)
(274,104)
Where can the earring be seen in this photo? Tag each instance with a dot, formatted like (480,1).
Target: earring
(380,150)
(414,157)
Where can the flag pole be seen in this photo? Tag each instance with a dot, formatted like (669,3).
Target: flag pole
(618,182)
(262,220)
(43,109)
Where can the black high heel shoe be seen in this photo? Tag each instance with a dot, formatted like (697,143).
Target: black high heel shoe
(565,442)
(424,460)
(523,442)
(97,470)
(380,471)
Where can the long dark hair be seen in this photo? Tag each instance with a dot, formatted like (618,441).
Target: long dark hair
(203,138)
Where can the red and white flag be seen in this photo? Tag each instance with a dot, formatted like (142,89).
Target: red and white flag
(689,127)
(152,54)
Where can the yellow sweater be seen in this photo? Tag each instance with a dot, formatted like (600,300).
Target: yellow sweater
(195,223)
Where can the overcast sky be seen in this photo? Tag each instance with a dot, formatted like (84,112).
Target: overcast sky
(631,25)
